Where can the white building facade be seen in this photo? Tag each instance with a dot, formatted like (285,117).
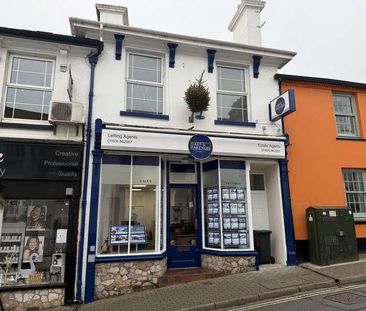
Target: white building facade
(165,192)
(42,125)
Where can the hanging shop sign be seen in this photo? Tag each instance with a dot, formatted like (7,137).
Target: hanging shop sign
(40,161)
(125,140)
(200,147)
(282,105)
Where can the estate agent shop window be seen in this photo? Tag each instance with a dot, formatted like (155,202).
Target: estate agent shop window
(129,213)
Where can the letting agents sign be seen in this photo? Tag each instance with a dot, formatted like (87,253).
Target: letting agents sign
(178,143)
(282,105)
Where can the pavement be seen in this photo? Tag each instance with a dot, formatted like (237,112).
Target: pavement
(271,281)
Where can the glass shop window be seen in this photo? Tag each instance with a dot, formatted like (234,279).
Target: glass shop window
(129,216)
(225,205)
(33,241)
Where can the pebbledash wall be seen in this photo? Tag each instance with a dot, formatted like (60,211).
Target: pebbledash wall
(40,165)
(150,205)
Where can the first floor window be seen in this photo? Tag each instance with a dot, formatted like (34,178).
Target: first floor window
(33,241)
(354,183)
(346,116)
(129,216)
(29,89)
(226,219)
(232,98)
(144,84)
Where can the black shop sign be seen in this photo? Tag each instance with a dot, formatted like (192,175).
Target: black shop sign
(40,161)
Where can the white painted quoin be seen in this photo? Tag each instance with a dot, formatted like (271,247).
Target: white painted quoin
(256,140)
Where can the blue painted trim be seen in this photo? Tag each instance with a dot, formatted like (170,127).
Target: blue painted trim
(93,60)
(144,115)
(119,43)
(235,123)
(93,215)
(196,187)
(182,168)
(224,253)
(238,165)
(211,59)
(131,258)
(269,112)
(287,213)
(172,49)
(114,159)
(145,160)
(211,165)
(291,96)
(256,64)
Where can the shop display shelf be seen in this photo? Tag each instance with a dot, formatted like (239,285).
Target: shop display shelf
(10,241)
(9,251)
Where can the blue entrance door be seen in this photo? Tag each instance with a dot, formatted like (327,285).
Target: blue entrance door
(183,249)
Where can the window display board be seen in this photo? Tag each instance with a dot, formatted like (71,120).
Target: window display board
(119,235)
(225,205)
(234,217)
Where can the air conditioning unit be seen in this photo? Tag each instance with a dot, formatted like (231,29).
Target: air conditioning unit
(66,112)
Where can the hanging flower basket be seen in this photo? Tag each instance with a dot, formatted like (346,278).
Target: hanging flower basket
(197,97)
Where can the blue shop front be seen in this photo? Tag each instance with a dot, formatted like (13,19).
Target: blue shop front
(163,200)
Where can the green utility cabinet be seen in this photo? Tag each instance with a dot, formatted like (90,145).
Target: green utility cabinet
(332,236)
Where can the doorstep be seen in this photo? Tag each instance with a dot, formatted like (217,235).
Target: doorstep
(180,276)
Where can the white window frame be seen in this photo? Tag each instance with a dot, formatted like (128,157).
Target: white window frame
(235,93)
(27,87)
(357,216)
(354,109)
(146,83)
(160,244)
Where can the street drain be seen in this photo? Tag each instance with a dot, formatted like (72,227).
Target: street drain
(207,283)
(347,298)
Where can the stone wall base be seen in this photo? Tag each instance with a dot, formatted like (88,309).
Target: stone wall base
(34,298)
(228,264)
(125,277)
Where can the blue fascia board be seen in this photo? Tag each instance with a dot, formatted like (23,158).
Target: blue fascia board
(130,258)
(235,123)
(144,115)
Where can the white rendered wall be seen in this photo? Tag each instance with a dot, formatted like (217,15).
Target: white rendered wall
(61,55)
(275,213)
(110,87)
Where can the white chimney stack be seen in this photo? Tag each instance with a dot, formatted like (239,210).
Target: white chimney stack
(246,24)
(112,14)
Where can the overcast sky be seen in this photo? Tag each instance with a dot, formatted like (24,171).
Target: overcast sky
(326,34)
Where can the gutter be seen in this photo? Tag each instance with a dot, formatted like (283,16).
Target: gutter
(93,60)
(179,38)
(50,37)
